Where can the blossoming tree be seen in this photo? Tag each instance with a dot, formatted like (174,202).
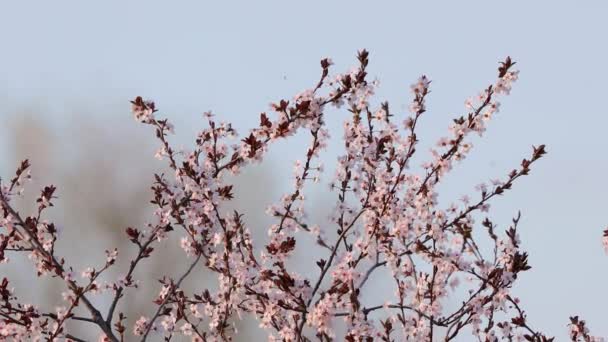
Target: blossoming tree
(386,223)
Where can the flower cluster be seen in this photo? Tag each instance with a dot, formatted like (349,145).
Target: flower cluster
(387,223)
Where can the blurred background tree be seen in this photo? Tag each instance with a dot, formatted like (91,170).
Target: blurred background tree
(103,170)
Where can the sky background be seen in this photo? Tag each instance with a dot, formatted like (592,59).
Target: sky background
(67,62)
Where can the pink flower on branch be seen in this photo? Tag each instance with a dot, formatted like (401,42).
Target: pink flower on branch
(387,225)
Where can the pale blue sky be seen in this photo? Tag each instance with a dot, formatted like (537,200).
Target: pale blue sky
(236,57)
